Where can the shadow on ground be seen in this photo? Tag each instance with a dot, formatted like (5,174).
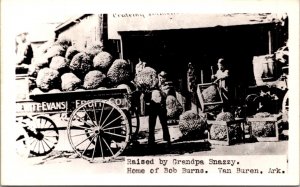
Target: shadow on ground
(179,148)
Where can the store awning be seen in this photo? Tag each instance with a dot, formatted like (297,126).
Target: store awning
(168,21)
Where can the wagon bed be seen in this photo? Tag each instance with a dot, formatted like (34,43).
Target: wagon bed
(99,121)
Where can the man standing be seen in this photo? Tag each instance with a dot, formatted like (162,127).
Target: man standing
(24,52)
(165,85)
(158,108)
(222,79)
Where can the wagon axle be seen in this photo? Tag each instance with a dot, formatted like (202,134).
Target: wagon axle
(35,134)
(98,130)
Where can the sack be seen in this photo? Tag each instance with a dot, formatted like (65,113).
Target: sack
(263,67)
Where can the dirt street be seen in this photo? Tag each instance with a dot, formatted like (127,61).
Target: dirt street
(62,161)
(63,149)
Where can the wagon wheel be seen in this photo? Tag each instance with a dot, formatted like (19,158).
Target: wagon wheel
(43,135)
(22,142)
(98,130)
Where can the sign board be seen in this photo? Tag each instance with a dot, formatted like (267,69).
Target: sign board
(31,107)
(167,21)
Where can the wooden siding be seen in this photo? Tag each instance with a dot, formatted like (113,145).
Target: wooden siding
(84,32)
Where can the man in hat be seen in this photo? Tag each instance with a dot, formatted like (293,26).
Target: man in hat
(24,52)
(158,108)
(164,85)
(222,79)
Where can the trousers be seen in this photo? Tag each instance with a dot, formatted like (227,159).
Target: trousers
(157,110)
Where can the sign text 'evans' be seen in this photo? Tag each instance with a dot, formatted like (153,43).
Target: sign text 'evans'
(41,107)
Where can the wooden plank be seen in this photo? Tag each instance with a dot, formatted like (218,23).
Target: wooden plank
(267,139)
(215,103)
(219,142)
(213,122)
(264,119)
(236,121)
(190,141)
(86,94)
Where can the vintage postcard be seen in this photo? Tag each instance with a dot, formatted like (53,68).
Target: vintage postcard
(145,96)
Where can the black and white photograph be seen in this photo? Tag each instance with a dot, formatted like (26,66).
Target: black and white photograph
(111,96)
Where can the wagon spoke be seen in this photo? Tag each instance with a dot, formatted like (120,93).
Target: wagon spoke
(112,153)
(43,146)
(48,133)
(81,127)
(39,147)
(32,140)
(107,116)
(51,125)
(115,134)
(84,140)
(49,141)
(112,121)
(50,136)
(101,147)
(94,148)
(35,145)
(49,144)
(118,127)
(46,122)
(54,136)
(84,121)
(101,114)
(89,144)
(78,135)
(46,144)
(88,116)
(95,114)
(39,125)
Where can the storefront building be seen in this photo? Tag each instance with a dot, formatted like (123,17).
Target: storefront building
(169,41)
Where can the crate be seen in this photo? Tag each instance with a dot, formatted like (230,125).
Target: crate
(208,106)
(265,129)
(232,131)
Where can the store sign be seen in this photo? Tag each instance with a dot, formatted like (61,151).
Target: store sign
(44,107)
(29,107)
(138,22)
(167,21)
(119,102)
